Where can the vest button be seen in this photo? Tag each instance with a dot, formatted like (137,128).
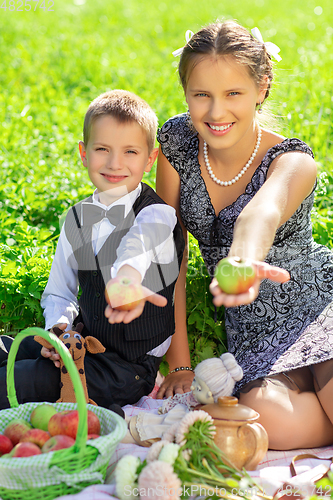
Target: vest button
(94,273)
(97,294)
(96,317)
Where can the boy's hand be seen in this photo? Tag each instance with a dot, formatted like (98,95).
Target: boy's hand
(51,353)
(263,270)
(115,316)
(133,278)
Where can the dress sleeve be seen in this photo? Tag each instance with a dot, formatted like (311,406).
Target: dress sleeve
(179,142)
(287,146)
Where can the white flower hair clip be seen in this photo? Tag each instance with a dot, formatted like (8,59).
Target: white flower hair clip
(188,36)
(271,48)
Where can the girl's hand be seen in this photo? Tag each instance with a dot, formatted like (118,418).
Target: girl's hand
(176,383)
(115,316)
(263,270)
(51,353)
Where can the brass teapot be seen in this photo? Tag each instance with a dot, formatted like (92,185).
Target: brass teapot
(238,435)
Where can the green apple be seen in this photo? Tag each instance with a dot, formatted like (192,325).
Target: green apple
(41,415)
(123,293)
(235,275)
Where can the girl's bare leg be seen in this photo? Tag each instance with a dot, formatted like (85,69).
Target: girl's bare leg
(292,419)
(325,396)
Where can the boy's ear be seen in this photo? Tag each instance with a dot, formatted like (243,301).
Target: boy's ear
(83,153)
(151,159)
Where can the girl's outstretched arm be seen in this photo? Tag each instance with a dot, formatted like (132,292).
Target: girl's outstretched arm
(168,188)
(291,178)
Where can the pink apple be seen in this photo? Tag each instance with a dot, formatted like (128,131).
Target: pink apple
(55,426)
(25,450)
(16,429)
(41,415)
(5,445)
(235,275)
(123,293)
(58,442)
(37,436)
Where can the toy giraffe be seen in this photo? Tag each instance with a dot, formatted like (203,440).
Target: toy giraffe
(77,346)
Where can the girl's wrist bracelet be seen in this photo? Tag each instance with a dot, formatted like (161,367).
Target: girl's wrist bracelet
(181,368)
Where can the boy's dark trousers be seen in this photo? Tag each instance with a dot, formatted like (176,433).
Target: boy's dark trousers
(110,378)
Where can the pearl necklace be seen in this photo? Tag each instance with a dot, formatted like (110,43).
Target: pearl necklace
(241,173)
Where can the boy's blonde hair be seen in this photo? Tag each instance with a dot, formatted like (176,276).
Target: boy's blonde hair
(124,106)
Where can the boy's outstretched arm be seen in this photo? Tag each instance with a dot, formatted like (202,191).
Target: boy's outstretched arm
(116,316)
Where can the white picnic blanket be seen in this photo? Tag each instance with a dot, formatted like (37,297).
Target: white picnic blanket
(271,474)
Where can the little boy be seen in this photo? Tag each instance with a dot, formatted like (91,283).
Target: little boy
(122,229)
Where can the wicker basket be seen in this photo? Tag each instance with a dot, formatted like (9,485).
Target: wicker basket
(50,475)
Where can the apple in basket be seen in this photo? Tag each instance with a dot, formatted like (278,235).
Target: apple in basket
(5,445)
(16,429)
(123,293)
(67,423)
(25,450)
(55,426)
(58,442)
(36,436)
(235,275)
(41,415)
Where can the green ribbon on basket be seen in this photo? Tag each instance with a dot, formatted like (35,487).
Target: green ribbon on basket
(82,431)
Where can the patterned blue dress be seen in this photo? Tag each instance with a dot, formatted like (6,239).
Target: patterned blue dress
(289,325)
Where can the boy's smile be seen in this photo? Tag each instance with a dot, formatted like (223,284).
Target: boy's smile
(116,157)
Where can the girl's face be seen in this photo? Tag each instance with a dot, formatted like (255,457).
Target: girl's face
(222,97)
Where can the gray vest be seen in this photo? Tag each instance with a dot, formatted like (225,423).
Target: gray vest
(155,324)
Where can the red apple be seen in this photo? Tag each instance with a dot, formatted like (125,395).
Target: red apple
(58,442)
(94,426)
(235,275)
(41,415)
(37,436)
(5,445)
(16,429)
(25,450)
(55,423)
(123,293)
(70,422)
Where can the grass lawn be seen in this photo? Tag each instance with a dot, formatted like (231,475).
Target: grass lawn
(59,55)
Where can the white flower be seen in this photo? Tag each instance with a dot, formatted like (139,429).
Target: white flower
(169,453)
(155,450)
(189,420)
(125,475)
(158,480)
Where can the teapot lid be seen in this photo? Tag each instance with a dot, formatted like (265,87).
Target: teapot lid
(228,408)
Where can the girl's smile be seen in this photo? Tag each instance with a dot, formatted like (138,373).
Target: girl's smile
(222,98)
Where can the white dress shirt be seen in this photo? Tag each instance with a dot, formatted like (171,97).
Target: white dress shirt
(59,299)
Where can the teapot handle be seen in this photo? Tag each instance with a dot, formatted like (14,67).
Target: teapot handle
(261,440)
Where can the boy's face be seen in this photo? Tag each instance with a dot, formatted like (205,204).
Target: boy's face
(116,157)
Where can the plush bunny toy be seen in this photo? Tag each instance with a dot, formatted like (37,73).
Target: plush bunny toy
(77,346)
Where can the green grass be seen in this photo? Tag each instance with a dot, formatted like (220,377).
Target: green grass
(54,63)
